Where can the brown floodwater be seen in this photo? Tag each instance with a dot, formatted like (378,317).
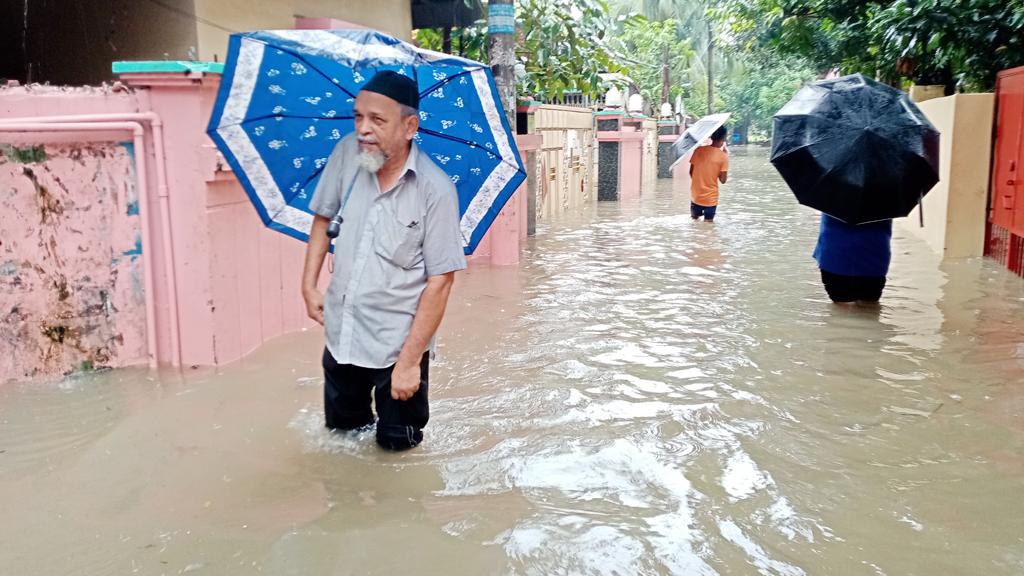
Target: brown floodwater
(642,395)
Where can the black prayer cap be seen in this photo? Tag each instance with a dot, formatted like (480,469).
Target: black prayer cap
(399,88)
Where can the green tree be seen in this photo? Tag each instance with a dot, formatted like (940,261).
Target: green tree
(563,46)
(695,26)
(762,86)
(469,42)
(658,58)
(936,41)
(924,41)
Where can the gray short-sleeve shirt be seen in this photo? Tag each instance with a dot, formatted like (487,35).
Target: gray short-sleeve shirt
(389,244)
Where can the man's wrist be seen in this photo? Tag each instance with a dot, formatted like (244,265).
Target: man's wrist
(406,361)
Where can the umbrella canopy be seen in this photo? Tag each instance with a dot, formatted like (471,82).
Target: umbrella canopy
(857,150)
(287,98)
(699,132)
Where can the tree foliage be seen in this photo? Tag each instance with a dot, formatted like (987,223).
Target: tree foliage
(754,94)
(470,42)
(924,41)
(562,46)
(651,46)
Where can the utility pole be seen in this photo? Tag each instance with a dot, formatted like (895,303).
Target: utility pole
(446,40)
(711,75)
(664,76)
(501,27)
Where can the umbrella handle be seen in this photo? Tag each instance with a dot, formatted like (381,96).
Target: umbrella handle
(920,207)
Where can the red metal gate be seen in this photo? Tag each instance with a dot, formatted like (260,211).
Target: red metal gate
(1005,240)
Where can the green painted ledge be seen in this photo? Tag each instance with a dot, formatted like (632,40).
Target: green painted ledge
(149,67)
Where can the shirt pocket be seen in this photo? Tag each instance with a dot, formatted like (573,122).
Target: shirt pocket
(400,240)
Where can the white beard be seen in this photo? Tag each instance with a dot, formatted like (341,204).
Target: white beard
(371,161)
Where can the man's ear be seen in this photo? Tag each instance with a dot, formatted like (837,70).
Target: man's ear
(412,124)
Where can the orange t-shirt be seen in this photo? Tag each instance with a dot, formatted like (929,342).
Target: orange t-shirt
(707,162)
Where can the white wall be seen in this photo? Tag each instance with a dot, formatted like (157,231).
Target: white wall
(955,210)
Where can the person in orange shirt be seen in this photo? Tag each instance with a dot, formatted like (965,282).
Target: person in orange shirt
(709,166)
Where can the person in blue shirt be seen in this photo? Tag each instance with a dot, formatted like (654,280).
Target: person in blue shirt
(854,259)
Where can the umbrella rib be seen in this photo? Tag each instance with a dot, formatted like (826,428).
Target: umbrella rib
(316,173)
(466,142)
(802,146)
(830,170)
(444,82)
(303,59)
(268,116)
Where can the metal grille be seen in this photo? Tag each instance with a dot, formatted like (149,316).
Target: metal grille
(1006,248)
(1015,260)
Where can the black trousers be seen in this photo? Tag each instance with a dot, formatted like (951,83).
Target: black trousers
(347,395)
(843,288)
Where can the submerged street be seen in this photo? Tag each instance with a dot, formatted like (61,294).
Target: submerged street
(644,394)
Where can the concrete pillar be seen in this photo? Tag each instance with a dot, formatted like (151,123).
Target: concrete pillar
(184,100)
(956,209)
(619,156)
(630,164)
(668,133)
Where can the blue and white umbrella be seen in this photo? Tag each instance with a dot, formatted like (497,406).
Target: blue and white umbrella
(287,98)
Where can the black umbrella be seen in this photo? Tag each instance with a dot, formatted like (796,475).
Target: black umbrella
(857,150)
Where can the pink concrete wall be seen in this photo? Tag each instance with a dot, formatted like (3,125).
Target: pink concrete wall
(71,288)
(631,159)
(238,282)
(74,276)
(254,276)
(71,291)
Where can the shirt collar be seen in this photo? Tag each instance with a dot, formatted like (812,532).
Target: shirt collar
(410,162)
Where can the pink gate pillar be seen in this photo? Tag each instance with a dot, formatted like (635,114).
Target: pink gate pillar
(503,242)
(630,162)
(237,282)
(620,174)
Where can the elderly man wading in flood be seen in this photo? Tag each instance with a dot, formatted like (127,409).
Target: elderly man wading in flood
(396,217)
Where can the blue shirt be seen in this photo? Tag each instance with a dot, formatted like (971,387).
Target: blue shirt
(854,250)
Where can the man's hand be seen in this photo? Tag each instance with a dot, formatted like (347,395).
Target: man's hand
(314,305)
(316,249)
(405,378)
(405,381)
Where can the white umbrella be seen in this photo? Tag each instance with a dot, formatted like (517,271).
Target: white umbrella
(700,131)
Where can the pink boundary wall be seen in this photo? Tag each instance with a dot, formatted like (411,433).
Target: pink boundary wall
(71,230)
(65,304)
(235,282)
